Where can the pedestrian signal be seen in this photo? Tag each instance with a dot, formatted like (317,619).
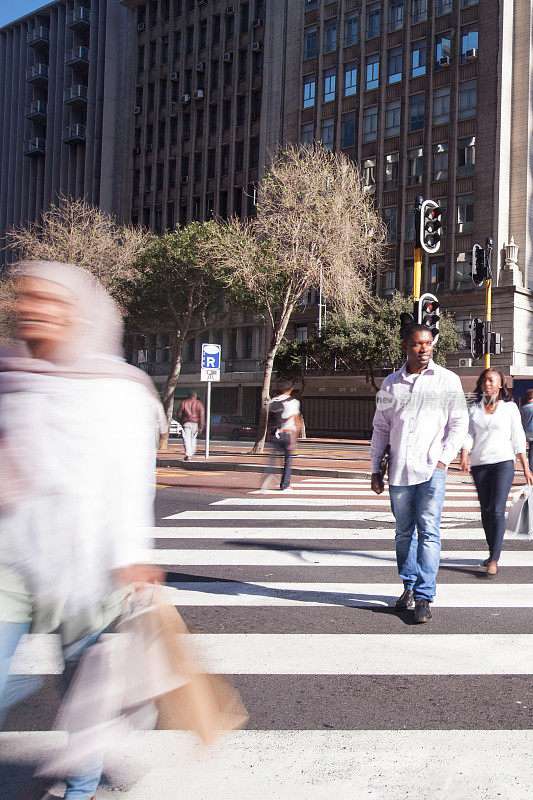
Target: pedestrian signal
(429,314)
(477,337)
(496,343)
(430,226)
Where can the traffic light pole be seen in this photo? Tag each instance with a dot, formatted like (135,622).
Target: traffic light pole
(488,317)
(417,266)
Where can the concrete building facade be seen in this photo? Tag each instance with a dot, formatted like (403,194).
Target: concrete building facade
(59,73)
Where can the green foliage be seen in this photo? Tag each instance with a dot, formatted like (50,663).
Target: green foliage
(362,343)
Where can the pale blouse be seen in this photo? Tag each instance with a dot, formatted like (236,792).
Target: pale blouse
(496,437)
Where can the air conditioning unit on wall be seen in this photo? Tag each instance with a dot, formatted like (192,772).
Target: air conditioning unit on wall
(465,362)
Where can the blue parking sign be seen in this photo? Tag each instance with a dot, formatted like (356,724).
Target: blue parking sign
(211,356)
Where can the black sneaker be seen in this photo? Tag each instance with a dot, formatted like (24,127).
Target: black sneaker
(422,610)
(406,601)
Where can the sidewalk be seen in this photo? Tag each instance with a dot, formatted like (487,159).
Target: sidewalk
(332,458)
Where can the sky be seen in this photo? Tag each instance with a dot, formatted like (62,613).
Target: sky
(11,10)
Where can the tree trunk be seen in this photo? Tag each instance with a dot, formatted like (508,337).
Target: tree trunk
(170,384)
(303,434)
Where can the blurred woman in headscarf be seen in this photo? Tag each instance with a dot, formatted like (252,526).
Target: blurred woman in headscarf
(78,438)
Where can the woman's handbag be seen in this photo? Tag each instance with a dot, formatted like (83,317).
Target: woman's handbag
(520,514)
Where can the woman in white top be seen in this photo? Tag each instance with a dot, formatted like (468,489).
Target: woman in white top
(78,431)
(495,438)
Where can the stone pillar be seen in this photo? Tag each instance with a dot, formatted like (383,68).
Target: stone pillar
(238,409)
(510,274)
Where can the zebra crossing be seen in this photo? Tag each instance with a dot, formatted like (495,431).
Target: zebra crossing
(290,595)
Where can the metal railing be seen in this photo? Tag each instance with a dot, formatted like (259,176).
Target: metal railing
(77,92)
(77,55)
(78,16)
(40,34)
(34,146)
(36,107)
(37,71)
(72,133)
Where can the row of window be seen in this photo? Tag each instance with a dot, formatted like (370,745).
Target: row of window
(435,281)
(149,13)
(243,203)
(464,218)
(418,9)
(189,80)
(164,53)
(443,52)
(467,106)
(200,118)
(197,162)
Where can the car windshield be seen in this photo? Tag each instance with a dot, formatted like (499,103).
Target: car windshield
(235,419)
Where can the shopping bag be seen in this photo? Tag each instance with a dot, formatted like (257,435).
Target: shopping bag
(199,702)
(520,515)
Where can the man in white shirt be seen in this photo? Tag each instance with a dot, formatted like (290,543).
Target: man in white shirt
(284,417)
(422,414)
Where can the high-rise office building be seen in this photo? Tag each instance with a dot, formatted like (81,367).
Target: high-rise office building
(60,80)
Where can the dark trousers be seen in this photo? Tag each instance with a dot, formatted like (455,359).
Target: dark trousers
(530,455)
(284,442)
(493,483)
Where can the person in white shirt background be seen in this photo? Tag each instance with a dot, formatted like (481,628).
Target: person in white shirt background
(422,414)
(495,438)
(284,420)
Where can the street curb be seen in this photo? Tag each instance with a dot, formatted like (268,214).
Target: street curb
(212,466)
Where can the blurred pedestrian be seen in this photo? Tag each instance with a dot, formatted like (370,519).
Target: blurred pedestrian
(495,438)
(191,416)
(78,436)
(526,413)
(284,422)
(422,416)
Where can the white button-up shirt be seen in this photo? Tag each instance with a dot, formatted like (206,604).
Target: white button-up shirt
(495,437)
(424,418)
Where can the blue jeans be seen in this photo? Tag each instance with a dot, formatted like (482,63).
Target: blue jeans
(493,483)
(417,510)
(79,787)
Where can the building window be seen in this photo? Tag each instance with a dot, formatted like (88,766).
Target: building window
(177,45)
(226,115)
(372,72)
(310,37)
(189,40)
(300,333)
(350,79)
(419,10)
(224,160)
(245,17)
(463,274)
(188,81)
(163,92)
(256,105)
(153,13)
(307,133)
(223,204)
(161,134)
(467,99)
(148,178)
(215,30)
(328,133)
(151,96)
(436,273)
(329,85)
(243,64)
(369,175)
(239,156)
(214,74)
(416,112)
(199,123)
(348,130)
(213,119)
(203,35)
(390,178)
(351,29)
(309,92)
(390,218)
(466,3)
(136,182)
(211,154)
(254,153)
(418,59)
(164,49)
(209,205)
(466,156)
(228,72)
(257,63)
(440,161)
(230,26)
(330,35)
(149,135)
(395,15)
(309,4)
(415,166)
(373,21)
(241,109)
(370,124)
(441,106)
(173,131)
(465,213)
(394,65)
(393,111)
(408,277)
(159,176)
(152,54)
(409,222)
(197,167)
(388,281)
(443,7)
(462,328)
(175,91)
(140,59)
(469,40)
(443,47)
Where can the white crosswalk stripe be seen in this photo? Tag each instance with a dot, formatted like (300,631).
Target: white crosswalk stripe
(327,549)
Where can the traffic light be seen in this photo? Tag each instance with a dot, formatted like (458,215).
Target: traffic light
(495,346)
(480,265)
(406,319)
(430,226)
(477,337)
(429,314)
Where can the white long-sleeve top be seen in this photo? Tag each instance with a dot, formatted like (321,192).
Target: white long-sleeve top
(424,419)
(87,449)
(494,437)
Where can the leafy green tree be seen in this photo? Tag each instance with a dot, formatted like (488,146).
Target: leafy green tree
(364,343)
(180,291)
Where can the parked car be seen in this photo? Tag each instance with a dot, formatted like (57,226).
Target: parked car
(175,428)
(232,426)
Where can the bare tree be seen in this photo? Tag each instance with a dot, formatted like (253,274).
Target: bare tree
(315,224)
(77,233)
(6,319)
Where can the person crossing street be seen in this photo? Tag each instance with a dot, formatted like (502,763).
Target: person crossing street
(422,416)
(191,416)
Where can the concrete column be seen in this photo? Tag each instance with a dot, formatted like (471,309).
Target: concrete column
(239,404)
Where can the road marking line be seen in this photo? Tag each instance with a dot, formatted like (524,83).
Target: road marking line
(325,534)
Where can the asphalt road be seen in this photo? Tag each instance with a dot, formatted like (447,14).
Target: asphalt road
(342,691)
